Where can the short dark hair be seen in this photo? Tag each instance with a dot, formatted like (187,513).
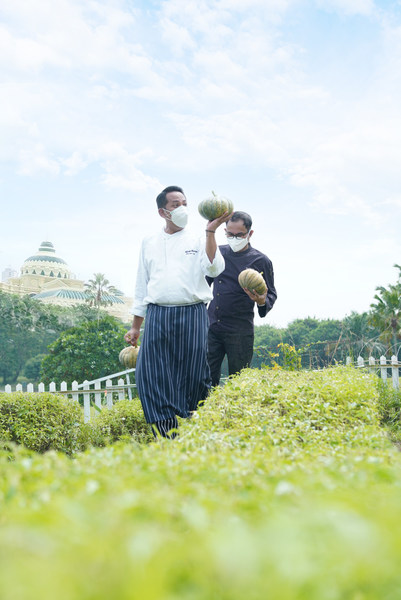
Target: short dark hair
(161,198)
(239,215)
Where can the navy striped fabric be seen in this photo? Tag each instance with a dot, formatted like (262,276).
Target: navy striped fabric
(172,372)
(166,428)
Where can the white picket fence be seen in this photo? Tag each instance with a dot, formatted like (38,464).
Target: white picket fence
(384,367)
(115,387)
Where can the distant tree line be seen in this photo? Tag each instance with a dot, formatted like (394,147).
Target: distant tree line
(319,343)
(46,342)
(29,327)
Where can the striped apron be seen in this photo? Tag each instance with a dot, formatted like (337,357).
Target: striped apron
(172,372)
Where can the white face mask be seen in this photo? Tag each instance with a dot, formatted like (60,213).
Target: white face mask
(179,216)
(237,245)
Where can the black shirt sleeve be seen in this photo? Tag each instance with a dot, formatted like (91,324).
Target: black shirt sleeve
(266,268)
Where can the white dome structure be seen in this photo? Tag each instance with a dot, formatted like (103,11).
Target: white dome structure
(45,263)
(47,277)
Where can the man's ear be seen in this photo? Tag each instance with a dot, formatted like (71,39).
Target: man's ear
(161,213)
(250,233)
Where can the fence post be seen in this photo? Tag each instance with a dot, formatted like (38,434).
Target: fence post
(348,361)
(29,388)
(98,395)
(74,386)
(361,362)
(87,403)
(372,361)
(7,389)
(121,393)
(109,392)
(129,386)
(52,387)
(394,372)
(18,388)
(383,368)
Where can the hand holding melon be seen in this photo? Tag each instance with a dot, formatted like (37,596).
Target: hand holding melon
(214,207)
(251,279)
(128,356)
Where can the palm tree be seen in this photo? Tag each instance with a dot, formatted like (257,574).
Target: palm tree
(386,313)
(98,292)
(359,335)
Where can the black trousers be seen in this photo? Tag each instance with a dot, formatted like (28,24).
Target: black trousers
(237,346)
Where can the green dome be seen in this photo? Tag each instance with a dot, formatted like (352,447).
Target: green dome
(75,295)
(46,246)
(47,259)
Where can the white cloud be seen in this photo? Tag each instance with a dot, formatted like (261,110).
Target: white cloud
(26,54)
(237,83)
(177,37)
(394,201)
(74,164)
(130,178)
(35,159)
(122,172)
(348,7)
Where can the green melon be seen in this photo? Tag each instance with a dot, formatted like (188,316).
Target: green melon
(213,207)
(252,280)
(128,356)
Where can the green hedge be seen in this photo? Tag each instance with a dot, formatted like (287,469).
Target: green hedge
(297,409)
(282,486)
(124,420)
(42,421)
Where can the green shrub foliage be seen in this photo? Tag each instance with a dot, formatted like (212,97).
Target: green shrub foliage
(282,485)
(88,351)
(42,421)
(27,327)
(124,420)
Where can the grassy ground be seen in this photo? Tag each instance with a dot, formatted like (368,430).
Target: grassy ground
(284,485)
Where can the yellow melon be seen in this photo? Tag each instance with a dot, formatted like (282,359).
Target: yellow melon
(128,356)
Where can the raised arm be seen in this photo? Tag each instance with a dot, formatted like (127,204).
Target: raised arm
(212,226)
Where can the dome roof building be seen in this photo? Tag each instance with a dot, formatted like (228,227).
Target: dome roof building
(46,263)
(47,277)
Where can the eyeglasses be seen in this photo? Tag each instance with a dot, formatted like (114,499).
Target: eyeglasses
(237,236)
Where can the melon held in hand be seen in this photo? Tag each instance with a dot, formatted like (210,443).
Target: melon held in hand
(213,207)
(252,280)
(128,356)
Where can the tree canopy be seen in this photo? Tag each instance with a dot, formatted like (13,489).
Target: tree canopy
(86,352)
(319,342)
(386,313)
(98,292)
(28,326)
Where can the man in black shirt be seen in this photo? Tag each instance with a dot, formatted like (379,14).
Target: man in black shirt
(231,312)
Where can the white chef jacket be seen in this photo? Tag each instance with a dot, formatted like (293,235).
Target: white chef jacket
(172,269)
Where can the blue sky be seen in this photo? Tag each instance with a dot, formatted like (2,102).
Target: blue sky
(291,108)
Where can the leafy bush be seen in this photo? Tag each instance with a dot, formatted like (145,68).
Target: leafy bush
(283,485)
(32,368)
(42,421)
(389,409)
(88,351)
(305,409)
(124,420)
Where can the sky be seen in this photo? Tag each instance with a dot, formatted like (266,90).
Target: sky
(290,108)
